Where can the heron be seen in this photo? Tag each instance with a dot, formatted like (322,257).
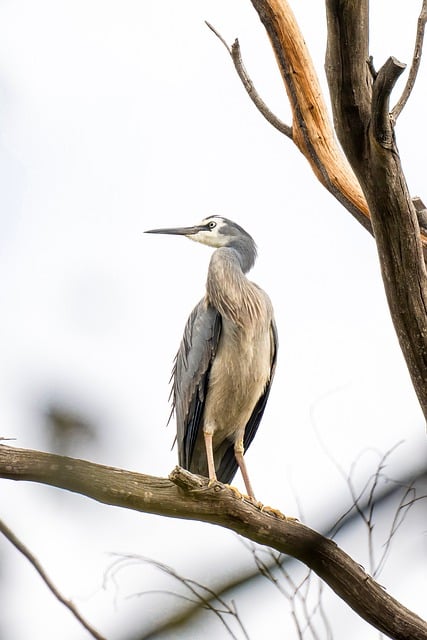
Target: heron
(225,364)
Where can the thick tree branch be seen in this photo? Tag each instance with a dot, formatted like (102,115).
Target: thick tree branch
(374,496)
(312,131)
(349,65)
(364,127)
(385,80)
(187,496)
(360,102)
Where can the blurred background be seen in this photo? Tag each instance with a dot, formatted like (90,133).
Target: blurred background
(116,117)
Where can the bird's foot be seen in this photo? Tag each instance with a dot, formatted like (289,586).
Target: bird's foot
(274,512)
(215,486)
(237,493)
(262,507)
(212,483)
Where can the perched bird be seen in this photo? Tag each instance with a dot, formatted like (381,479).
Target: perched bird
(225,363)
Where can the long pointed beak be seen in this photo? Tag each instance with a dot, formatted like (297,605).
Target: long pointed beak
(176,231)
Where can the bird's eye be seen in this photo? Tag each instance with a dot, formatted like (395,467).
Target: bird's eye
(212,225)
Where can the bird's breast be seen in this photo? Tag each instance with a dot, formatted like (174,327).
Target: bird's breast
(238,378)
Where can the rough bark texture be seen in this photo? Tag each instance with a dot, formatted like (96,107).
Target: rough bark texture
(311,129)
(360,100)
(187,496)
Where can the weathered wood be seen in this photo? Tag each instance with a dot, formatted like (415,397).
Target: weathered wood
(361,108)
(311,127)
(312,131)
(187,496)
(351,111)
(421,210)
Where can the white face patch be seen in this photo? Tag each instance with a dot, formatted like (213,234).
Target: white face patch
(213,236)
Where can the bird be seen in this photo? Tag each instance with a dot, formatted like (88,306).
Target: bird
(225,364)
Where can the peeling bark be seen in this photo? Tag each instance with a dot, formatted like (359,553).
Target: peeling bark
(311,129)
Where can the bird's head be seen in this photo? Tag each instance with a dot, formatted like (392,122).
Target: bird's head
(216,231)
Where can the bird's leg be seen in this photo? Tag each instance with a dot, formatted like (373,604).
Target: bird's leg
(210,456)
(238,452)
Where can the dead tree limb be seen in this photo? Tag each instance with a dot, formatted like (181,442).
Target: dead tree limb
(186,496)
(312,130)
(369,180)
(236,56)
(365,129)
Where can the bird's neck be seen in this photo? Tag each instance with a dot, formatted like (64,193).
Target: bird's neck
(228,289)
(245,252)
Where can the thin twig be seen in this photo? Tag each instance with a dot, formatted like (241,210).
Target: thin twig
(297,593)
(322,612)
(399,517)
(198,590)
(416,59)
(236,56)
(37,566)
(368,518)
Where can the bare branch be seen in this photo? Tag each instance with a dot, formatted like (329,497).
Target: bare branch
(186,496)
(383,85)
(401,512)
(416,59)
(48,582)
(365,130)
(218,35)
(236,56)
(201,595)
(312,130)
(421,210)
(371,67)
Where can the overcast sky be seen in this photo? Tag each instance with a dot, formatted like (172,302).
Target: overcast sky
(116,117)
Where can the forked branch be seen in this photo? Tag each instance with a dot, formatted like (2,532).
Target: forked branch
(311,129)
(365,129)
(236,56)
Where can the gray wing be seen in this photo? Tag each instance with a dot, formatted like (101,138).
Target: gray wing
(228,466)
(191,374)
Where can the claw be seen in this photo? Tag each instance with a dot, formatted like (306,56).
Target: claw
(239,496)
(274,512)
(212,483)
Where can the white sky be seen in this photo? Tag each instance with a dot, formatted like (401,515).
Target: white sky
(118,117)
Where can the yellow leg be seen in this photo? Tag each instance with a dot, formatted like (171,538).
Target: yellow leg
(238,452)
(210,457)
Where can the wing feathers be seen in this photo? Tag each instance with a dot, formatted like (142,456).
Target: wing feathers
(191,373)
